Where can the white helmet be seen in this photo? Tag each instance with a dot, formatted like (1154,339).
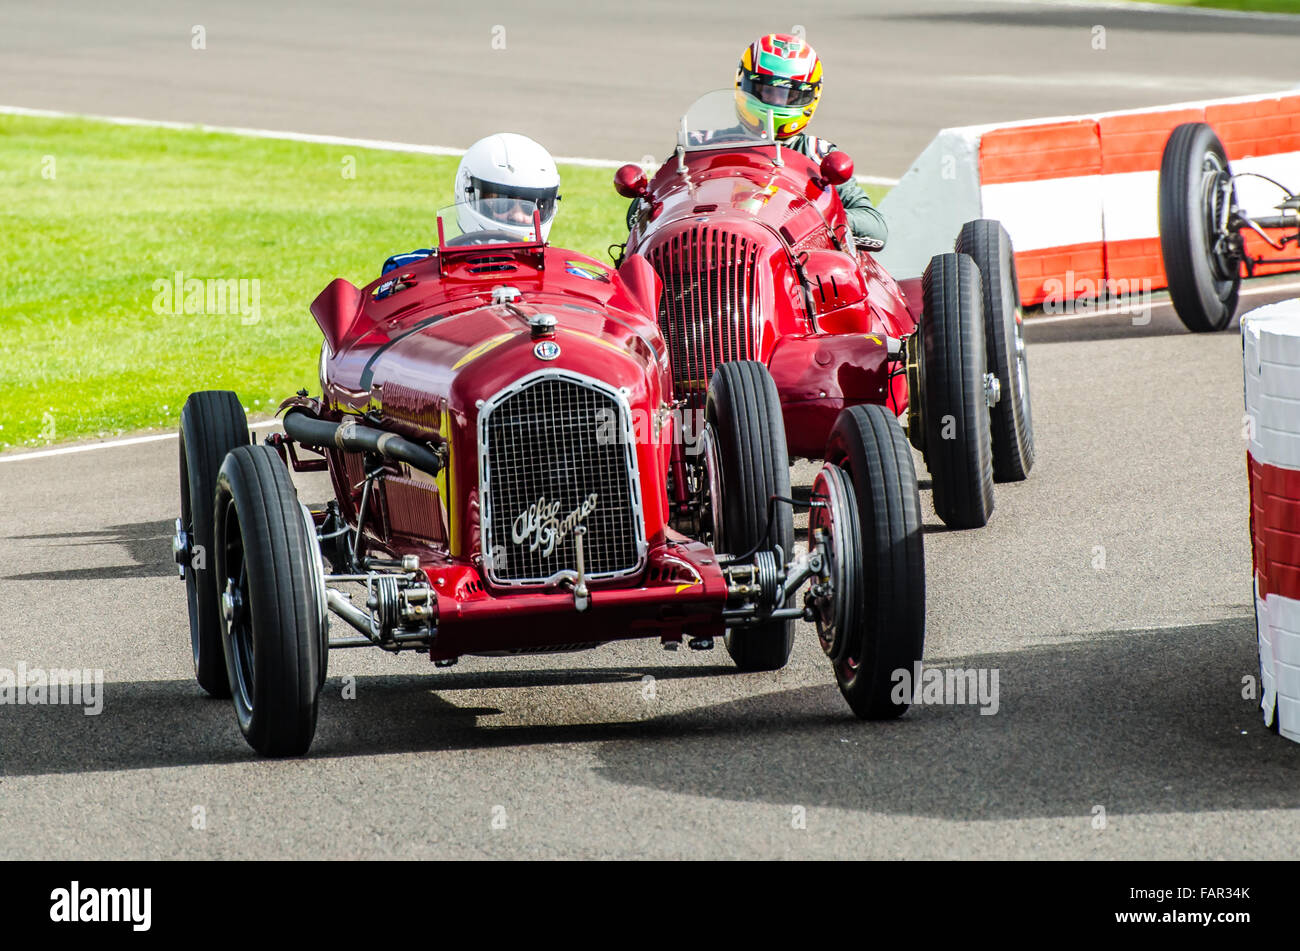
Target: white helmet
(515,170)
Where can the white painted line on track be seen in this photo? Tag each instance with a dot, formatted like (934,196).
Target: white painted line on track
(1128,309)
(112,444)
(1169,8)
(378,144)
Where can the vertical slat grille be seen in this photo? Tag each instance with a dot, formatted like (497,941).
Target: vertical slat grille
(709,308)
(557,455)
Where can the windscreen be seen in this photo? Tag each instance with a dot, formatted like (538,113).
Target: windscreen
(489,221)
(712,122)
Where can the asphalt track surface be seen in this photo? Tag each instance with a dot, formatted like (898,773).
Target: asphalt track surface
(610,80)
(1111,591)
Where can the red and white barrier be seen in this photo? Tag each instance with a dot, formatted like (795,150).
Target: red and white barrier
(1079,195)
(1271,357)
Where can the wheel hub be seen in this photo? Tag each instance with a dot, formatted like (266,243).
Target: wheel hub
(992,389)
(1217,200)
(232,603)
(181,549)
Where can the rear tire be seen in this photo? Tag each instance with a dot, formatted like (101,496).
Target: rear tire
(743,414)
(958,446)
(272,637)
(888,616)
(1203,283)
(1011,422)
(212,424)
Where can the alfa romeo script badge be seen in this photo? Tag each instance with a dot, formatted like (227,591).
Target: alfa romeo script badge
(546,350)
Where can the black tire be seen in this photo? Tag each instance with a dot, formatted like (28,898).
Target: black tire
(1203,283)
(1011,420)
(273,641)
(212,424)
(743,413)
(889,615)
(958,445)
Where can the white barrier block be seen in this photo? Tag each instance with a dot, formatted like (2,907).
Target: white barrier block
(1285,645)
(1130,202)
(1288,715)
(1287,679)
(1276,379)
(1258,197)
(1019,206)
(1275,412)
(1275,448)
(930,203)
(1268,693)
(1277,328)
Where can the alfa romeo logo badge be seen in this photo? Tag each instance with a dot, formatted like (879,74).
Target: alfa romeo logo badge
(546,350)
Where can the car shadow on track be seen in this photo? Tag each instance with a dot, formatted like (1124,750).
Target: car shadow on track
(1136,721)
(166,723)
(147,544)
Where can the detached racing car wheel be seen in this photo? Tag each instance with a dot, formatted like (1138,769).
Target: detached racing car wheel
(212,424)
(272,602)
(745,427)
(874,621)
(958,392)
(1010,420)
(1202,256)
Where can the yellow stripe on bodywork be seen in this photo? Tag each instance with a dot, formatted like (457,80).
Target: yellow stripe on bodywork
(446,481)
(483,348)
(596,339)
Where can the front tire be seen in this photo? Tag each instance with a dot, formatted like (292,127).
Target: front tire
(1202,267)
(745,427)
(958,444)
(212,424)
(881,629)
(272,619)
(1011,423)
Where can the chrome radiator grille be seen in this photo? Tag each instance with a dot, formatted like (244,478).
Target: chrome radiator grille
(556,451)
(709,309)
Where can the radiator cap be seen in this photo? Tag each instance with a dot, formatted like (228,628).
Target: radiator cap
(542,325)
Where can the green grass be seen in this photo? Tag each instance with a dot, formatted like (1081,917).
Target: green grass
(83,351)
(1257,6)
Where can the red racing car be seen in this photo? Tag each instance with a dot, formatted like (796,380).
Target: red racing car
(753,246)
(497,422)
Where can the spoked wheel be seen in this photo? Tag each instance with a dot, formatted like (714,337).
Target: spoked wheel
(958,391)
(1202,257)
(212,424)
(746,433)
(711,499)
(873,623)
(834,517)
(272,602)
(1010,421)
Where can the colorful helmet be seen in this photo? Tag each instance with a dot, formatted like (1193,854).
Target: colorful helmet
(779,74)
(499,181)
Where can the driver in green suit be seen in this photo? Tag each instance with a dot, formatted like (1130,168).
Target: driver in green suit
(780,77)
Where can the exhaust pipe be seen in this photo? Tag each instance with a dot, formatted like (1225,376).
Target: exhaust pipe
(351,436)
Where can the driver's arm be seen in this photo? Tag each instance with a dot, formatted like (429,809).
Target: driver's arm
(864,218)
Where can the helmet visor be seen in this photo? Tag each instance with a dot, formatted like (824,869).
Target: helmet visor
(777,91)
(511,201)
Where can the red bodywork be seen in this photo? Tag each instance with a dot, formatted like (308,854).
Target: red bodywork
(422,361)
(758,263)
